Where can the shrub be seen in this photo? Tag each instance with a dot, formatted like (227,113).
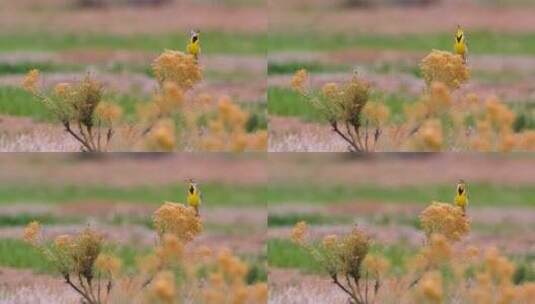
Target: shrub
(347,109)
(171,120)
(162,276)
(444,67)
(446,220)
(347,262)
(440,272)
(437,121)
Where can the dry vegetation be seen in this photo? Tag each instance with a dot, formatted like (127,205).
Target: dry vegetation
(172,120)
(441,271)
(172,272)
(439,120)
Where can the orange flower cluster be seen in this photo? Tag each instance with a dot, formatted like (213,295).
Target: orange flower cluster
(227,131)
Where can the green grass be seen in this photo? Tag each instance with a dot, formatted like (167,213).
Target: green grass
(286,102)
(284,253)
(311,67)
(18,254)
(279,220)
(480,42)
(22,219)
(212,42)
(481,194)
(214,193)
(17,102)
(46,67)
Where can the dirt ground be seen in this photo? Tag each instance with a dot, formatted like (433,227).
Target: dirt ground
(510,78)
(157,168)
(316,15)
(62,16)
(59,16)
(390,169)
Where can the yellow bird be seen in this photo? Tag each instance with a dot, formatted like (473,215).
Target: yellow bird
(194,197)
(461,196)
(460,43)
(194,45)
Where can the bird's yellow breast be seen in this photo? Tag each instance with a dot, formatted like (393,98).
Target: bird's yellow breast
(460,48)
(461,200)
(194,200)
(194,48)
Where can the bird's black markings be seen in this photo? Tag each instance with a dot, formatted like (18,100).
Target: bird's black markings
(459,37)
(460,190)
(191,189)
(194,39)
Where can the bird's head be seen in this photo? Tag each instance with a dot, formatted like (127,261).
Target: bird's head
(461,186)
(192,187)
(460,32)
(194,35)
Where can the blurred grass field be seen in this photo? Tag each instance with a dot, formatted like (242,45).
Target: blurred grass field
(384,195)
(107,195)
(117,45)
(385,42)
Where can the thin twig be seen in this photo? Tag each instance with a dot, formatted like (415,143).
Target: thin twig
(99,128)
(98,283)
(366,290)
(70,131)
(349,141)
(68,281)
(83,286)
(335,280)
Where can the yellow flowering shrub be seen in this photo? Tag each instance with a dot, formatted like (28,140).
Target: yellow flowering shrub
(429,136)
(347,109)
(430,288)
(162,136)
(299,81)
(108,264)
(177,68)
(346,260)
(444,67)
(169,273)
(445,219)
(80,109)
(171,120)
(438,120)
(443,270)
(178,220)
(227,131)
(30,81)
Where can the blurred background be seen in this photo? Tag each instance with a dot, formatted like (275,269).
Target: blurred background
(117,41)
(116,194)
(384,41)
(384,193)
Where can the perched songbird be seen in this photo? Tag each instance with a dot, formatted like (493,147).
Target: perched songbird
(460,43)
(461,196)
(194,45)
(194,197)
